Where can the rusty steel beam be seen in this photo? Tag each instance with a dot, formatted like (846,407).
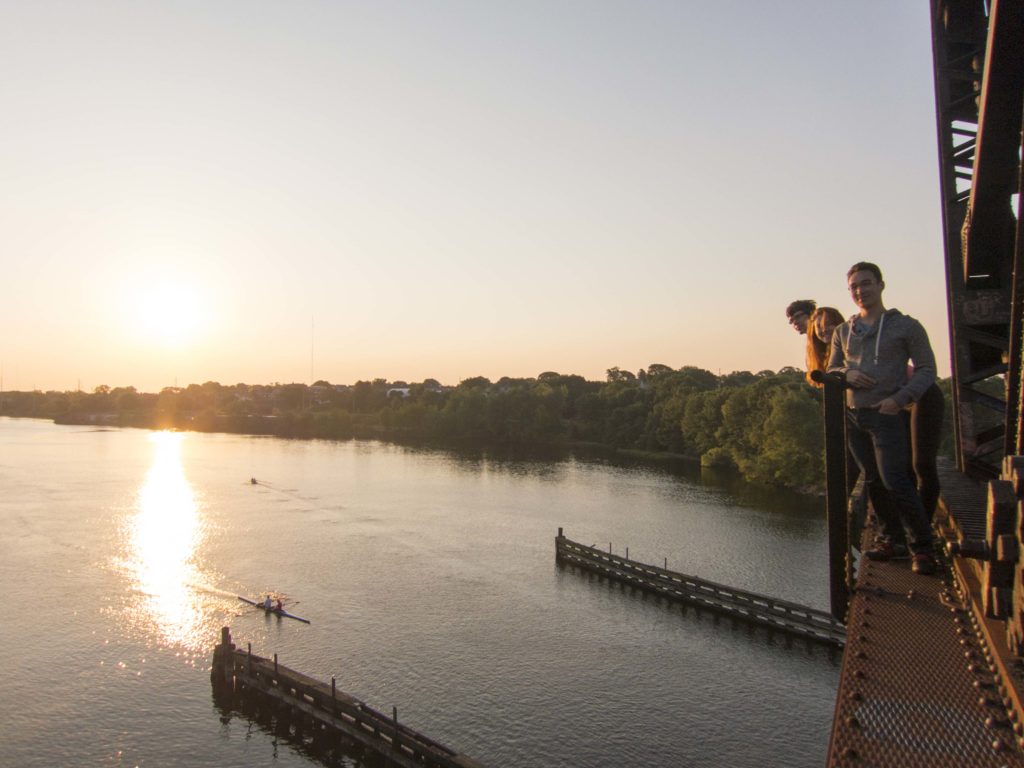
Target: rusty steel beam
(989,228)
(979,90)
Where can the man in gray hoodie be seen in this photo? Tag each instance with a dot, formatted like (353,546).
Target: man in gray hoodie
(872,351)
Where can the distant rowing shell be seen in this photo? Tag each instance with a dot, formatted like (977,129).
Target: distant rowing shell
(275,611)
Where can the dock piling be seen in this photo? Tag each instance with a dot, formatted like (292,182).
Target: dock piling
(772,613)
(293,704)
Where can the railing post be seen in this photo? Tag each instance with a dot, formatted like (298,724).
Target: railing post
(836,498)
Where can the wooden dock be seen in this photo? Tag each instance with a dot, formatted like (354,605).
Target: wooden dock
(769,612)
(328,718)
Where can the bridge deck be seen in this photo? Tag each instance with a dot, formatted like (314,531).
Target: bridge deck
(918,684)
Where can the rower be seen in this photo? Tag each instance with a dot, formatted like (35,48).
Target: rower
(268,604)
(279,606)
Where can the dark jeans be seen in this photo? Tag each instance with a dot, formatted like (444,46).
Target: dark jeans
(880,498)
(925,435)
(879,445)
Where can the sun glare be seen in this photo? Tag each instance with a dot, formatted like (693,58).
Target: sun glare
(165,533)
(169,314)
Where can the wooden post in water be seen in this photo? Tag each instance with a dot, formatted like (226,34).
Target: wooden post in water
(222,672)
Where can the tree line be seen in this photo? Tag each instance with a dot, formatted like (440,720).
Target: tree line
(766,425)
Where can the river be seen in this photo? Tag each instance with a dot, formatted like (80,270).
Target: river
(430,581)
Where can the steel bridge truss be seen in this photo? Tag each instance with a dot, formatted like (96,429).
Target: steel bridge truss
(979,83)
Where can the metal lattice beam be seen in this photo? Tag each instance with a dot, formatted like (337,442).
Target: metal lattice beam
(979,84)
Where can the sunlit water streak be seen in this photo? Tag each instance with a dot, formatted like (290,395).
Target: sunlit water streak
(164,535)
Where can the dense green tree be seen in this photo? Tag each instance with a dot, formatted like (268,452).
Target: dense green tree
(768,425)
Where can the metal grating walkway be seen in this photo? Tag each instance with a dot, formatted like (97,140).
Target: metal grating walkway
(918,684)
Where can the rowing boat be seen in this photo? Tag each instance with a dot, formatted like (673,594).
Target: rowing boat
(275,611)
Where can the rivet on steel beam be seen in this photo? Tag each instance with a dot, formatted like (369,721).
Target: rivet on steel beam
(859,674)
(862,638)
(998,745)
(850,753)
(856,696)
(973,668)
(852,722)
(861,655)
(910,594)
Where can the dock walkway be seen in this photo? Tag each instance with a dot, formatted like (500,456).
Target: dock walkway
(308,708)
(779,615)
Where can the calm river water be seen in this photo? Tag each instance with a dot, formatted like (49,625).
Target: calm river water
(431,585)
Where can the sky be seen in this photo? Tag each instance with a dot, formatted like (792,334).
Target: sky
(269,192)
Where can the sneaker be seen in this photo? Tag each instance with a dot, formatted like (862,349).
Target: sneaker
(885,550)
(923,564)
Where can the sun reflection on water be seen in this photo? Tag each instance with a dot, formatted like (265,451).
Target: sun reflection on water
(165,534)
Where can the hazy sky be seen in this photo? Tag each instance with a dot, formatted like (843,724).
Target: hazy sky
(265,191)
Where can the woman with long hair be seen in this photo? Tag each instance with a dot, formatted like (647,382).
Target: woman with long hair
(820,327)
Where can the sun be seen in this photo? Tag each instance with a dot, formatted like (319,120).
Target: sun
(169,314)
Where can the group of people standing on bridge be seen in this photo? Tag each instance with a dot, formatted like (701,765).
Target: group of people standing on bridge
(894,409)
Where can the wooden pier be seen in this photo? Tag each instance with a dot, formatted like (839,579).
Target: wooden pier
(769,612)
(310,710)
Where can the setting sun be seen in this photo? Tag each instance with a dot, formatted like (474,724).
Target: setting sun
(169,314)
